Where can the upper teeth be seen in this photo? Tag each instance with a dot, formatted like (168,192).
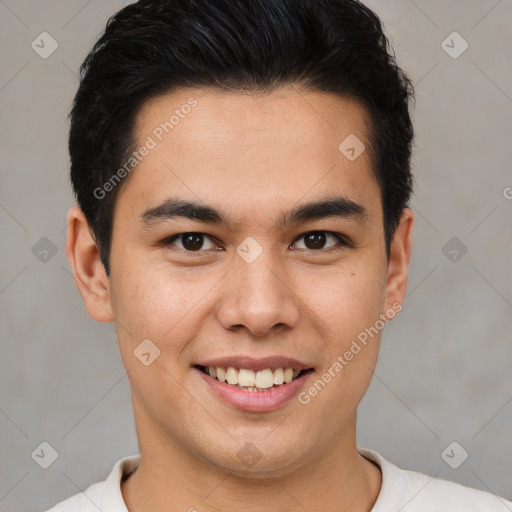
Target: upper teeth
(248,378)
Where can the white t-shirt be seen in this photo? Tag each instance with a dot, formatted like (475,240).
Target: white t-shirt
(401,490)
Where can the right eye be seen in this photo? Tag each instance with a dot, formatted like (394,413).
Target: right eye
(190,242)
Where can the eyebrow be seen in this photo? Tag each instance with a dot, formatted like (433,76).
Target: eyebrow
(339,206)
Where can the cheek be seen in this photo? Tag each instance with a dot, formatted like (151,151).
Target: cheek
(347,310)
(347,302)
(160,307)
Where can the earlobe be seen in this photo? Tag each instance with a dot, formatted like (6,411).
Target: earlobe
(400,255)
(89,272)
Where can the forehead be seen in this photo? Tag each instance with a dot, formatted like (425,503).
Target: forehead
(288,115)
(250,151)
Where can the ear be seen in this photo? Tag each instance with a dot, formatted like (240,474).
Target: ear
(90,276)
(400,255)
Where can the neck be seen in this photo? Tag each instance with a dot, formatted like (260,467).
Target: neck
(171,478)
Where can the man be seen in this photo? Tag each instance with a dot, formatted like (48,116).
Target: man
(242,170)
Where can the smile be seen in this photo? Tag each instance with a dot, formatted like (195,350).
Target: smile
(249,380)
(253,390)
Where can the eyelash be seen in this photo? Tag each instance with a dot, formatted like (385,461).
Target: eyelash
(342,241)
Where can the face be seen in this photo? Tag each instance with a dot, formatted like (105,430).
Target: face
(220,259)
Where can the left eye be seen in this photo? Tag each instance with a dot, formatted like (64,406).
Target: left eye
(194,242)
(314,240)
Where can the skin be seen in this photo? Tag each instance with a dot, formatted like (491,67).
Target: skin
(253,156)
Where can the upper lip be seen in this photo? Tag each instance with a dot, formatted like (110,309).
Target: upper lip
(256,364)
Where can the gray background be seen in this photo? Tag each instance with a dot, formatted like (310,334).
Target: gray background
(444,370)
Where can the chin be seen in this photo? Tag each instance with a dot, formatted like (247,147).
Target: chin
(257,458)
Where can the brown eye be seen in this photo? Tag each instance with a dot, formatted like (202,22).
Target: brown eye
(190,242)
(315,240)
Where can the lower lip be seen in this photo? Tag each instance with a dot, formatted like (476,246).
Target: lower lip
(255,401)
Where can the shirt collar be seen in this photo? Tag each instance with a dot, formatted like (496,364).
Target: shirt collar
(112,497)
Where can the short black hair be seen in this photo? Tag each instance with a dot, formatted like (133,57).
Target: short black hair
(151,47)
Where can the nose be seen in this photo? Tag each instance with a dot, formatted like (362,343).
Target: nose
(257,296)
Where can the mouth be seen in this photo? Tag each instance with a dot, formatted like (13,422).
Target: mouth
(253,384)
(261,381)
